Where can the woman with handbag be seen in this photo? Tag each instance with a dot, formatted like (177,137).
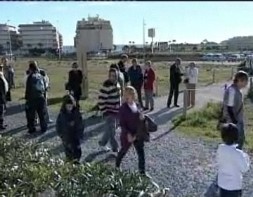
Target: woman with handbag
(130,119)
(191,81)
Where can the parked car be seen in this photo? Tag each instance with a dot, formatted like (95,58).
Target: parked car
(234,58)
(218,57)
(207,57)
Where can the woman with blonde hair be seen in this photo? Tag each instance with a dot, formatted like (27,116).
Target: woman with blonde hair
(191,82)
(129,119)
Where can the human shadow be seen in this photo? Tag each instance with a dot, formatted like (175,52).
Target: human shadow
(14,131)
(15,109)
(92,156)
(109,158)
(161,118)
(212,190)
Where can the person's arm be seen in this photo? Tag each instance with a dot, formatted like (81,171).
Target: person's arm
(243,161)
(230,105)
(152,75)
(172,73)
(81,77)
(59,125)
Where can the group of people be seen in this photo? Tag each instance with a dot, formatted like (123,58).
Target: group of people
(120,102)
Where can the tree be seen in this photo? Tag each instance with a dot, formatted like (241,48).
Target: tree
(40,45)
(195,48)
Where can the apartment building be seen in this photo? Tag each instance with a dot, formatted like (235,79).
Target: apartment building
(97,34)
(40,35)
(9,39)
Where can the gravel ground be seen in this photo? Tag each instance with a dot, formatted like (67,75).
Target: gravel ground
(185,165)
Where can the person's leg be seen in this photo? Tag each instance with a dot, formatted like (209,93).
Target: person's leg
(77,151)
(30,116)
(193,93)
(146,100)
(176,94)
(188,88)
(139,147)
(107,132)
(138,90)
(42,113)
(151,99)
(170,95)
(68,151)
(241,140)
(125,145)
(112,124)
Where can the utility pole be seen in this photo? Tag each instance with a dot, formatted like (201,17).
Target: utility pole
(144,43)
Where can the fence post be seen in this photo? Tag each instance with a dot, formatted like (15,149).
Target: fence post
(214,75)
(185,103)
(232,73)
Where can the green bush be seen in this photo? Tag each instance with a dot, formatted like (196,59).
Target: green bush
(28,169)
(200,118)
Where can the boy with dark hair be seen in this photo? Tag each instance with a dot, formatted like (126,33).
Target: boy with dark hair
(233,104)
(232,163)
(109,101)
(122,67)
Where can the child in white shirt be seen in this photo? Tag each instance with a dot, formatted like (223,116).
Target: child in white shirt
(232,163)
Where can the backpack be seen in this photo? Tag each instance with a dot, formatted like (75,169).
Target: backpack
(39,85)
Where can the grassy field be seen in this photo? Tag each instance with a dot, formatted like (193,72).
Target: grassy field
(203,123)
(58,73)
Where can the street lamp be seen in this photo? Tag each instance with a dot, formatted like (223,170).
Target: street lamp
(9,38)
(144,50)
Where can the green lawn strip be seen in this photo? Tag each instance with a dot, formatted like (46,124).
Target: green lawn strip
(202,123)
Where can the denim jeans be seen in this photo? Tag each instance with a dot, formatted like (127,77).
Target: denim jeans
(109,132)
(234,193)
(241,140)
(149,99)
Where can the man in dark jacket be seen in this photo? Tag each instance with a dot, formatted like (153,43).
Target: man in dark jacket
(74,84)
(136,79)
(122,67)
(8,72)
(35,98)
(3,91)
(175,80)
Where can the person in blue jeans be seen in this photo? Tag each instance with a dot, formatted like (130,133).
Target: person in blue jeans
(109,101)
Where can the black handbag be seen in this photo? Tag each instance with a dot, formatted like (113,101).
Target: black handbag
(151,125)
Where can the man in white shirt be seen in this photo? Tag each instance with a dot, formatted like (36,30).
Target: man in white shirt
(191,82)
(232,163)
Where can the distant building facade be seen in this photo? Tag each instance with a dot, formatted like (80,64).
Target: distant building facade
(68,49)
(97,32)
(40,35)
(8,35)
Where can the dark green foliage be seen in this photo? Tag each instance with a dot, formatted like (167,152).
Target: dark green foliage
(27,170)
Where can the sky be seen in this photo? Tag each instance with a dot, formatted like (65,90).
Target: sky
(190,22)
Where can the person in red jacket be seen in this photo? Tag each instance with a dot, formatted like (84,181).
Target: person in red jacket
(149,78)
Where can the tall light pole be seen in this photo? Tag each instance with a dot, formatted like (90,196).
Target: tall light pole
(59,43)
(9,39)
(144,43)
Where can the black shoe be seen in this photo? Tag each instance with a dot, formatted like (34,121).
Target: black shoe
(145,108)
(176,105)
(31,131)
(43,131)
(151,109)
(168,105)
(3,127)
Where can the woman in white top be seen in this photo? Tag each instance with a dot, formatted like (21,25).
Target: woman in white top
(232,163)
(191,82)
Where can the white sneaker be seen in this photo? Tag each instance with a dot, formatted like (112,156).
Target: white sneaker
(50,121)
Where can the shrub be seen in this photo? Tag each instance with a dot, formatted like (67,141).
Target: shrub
(28,169)
(199,118)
